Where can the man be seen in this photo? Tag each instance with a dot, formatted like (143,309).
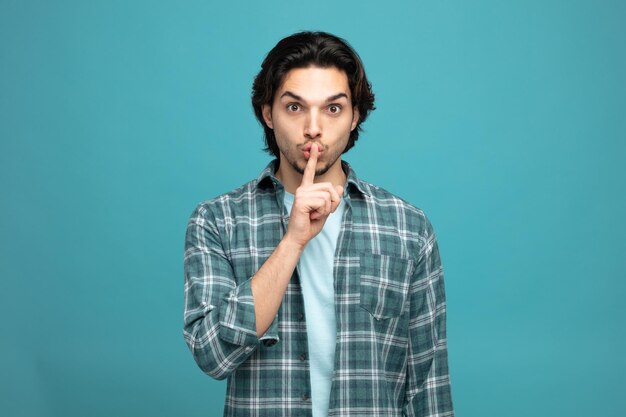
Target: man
(314,292)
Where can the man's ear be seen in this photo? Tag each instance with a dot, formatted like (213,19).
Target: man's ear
(266,109)
(355,117)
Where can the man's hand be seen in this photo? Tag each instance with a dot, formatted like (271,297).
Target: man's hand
(312,205)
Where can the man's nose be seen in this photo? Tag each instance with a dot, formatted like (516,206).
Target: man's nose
(312,128)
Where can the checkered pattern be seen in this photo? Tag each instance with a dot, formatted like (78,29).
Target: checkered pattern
(391,353)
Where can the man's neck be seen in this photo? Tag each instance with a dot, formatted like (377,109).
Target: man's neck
(292,179)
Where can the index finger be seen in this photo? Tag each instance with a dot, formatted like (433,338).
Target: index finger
(309,170)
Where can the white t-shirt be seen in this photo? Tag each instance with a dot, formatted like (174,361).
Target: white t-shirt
(317,282)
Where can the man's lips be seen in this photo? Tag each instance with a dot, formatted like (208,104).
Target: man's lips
(307,149)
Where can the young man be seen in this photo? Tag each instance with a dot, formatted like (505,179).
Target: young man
(314,292)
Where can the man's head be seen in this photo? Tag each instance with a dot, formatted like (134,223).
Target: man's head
(310,62)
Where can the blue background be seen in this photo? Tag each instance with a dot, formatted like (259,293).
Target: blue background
(503,121)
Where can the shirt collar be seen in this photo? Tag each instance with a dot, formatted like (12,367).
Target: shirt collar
(268,176)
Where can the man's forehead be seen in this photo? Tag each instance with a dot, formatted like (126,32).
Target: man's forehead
(313,81)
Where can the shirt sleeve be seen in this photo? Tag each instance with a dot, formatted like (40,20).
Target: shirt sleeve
(428,391)
(219,319)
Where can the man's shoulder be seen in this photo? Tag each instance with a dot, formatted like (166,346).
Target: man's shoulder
(382,197)
(234,200)
(393,215)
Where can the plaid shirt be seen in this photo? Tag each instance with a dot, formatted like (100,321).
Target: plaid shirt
(391,353)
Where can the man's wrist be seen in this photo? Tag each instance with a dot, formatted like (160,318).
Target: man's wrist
(291,245)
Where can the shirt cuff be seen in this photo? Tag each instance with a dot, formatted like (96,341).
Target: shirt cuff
(238,319)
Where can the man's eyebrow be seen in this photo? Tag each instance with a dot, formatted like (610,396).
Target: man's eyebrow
(297,97)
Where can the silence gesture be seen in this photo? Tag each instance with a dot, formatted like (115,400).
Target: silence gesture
(313,203)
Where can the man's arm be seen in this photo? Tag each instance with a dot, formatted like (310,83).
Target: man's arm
(428,390)
(219,320)
(312,205)
(224,321)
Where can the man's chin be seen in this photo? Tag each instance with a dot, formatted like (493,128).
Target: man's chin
(318,171)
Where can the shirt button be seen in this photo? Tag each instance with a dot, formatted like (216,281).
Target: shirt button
(305,397)
(300,316)
(303,357)
(269,342)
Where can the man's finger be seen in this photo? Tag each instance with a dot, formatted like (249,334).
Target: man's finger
(328,187)
(309,170)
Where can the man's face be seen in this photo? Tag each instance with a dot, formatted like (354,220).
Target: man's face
(312,106)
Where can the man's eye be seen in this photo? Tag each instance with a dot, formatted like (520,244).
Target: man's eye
(293,107)
(334,108)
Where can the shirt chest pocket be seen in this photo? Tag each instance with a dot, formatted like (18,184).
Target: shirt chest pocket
(384,282)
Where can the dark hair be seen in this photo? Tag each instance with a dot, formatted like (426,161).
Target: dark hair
(302,50)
